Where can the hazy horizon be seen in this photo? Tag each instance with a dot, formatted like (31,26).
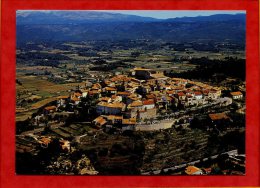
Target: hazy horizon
(158,14)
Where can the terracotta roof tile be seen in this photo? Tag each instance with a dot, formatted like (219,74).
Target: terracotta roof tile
(112,117)
(191,170)
(100,120)
(75,99)
(110,89)
(197,93)
(180,94)
(218,116)
(123,93)
(130,121)
(77,94)
(115,105)
(148,102)
(63,97)
(45,140)
(136,103)
(237,93)
(50,108)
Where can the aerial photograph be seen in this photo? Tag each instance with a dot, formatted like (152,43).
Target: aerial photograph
(130,92)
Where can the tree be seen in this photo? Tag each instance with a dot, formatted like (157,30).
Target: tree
(216,170)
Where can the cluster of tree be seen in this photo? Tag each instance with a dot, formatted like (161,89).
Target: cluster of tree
(205,47)
(87,53)
(235,139)
(110,66)
(27,163)
(22,126)
(39,62)
(206,69)
(28,47)
(18,82)
(41,55)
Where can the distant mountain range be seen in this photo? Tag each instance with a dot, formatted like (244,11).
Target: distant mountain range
(76,17)
(96,25)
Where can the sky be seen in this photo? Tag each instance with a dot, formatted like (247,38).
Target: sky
(161,14)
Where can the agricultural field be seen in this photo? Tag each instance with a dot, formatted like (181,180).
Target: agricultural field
(34,92)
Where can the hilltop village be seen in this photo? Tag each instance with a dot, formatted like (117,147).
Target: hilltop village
(141,95)
(122,105)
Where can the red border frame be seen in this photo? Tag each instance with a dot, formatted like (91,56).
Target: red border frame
(7,75)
